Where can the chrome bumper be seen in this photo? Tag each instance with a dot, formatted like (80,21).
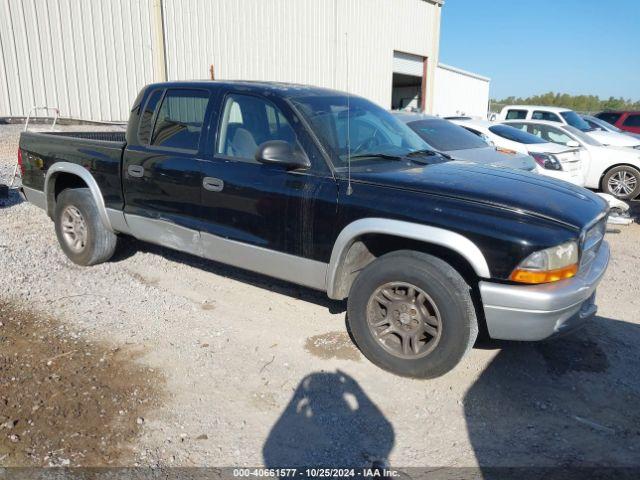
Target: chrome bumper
(536,312)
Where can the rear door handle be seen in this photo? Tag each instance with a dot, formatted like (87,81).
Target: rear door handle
(212,184)
(136,171)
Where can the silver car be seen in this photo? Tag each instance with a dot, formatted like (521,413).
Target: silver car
(460,144)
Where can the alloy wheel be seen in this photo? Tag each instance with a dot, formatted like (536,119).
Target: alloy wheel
(404,320)
(74,229)
(622,183)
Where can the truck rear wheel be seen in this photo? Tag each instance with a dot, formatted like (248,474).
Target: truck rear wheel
(412,314)
(80,231)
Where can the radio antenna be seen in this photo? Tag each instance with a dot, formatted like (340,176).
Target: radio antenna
(346,56)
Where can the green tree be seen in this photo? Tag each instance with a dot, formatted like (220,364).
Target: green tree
(579,103)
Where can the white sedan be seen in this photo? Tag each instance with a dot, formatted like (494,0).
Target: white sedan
(558,161)
(614,170)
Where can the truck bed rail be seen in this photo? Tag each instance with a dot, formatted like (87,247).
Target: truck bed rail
(101,136)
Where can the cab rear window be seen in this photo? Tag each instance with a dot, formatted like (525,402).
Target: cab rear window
(180,118)
(516,114)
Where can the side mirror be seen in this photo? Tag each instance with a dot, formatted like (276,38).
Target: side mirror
(572,143)
(279,152)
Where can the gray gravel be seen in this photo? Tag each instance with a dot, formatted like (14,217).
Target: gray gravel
(262,372)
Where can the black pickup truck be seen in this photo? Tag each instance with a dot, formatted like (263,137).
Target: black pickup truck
(334,193)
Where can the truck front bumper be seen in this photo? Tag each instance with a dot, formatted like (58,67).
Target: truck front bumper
(536,312)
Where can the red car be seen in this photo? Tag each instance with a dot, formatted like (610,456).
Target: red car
(624,120)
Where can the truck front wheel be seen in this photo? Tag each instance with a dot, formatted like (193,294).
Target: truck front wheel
(411,313)
(80,231)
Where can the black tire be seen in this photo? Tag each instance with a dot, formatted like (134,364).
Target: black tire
(99,243)
(447,290)
(615,176)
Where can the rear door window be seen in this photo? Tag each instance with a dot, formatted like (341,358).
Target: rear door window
(516,114)
(632,121)
(609,117)
(180,118)
(542,115)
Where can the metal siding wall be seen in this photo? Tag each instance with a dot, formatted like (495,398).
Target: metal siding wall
(298,41)
(460,94)
(90,58)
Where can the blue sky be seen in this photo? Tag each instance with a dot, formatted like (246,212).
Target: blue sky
(530,47)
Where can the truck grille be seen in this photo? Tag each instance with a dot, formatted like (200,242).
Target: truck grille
(592,240)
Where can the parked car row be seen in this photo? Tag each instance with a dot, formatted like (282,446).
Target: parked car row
(624,120)
(564,116)
(561,143)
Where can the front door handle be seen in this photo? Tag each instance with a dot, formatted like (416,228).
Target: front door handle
(136,171)
(212,184)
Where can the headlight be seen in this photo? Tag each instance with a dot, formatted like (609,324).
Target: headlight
(546,160)
(549,265)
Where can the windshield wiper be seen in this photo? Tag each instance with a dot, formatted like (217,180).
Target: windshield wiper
(377,155)
(425,152)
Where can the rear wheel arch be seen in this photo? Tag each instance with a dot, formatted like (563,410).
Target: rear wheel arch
(65,175)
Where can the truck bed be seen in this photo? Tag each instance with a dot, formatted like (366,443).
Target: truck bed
(99,152)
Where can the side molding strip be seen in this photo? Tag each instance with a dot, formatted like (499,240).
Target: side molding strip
(86,176)
(284,266)
(398,228)
(167,234)
(35,197)
(118,221)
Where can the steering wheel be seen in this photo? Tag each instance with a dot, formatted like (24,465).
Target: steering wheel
(371,141)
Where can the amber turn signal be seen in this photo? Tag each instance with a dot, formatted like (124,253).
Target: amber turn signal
(534,277)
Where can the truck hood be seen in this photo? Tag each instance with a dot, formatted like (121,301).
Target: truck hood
(515,190)
(490,156)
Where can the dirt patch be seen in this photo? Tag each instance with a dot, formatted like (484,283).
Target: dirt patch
(333,345)
(65,401)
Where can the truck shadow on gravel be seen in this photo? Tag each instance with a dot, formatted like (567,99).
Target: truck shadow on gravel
(128,246)
(65,401)
(329,422)
(574,401)
(9,197)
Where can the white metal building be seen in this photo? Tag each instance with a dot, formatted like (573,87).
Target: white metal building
(90,57)
(458,92)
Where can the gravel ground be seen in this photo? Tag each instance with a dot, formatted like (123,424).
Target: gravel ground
(246,370)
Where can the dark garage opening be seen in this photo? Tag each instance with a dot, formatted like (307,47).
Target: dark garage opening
(406,92)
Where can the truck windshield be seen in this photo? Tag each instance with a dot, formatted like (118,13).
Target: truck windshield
(573,119)
(582,136)
(372,132)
